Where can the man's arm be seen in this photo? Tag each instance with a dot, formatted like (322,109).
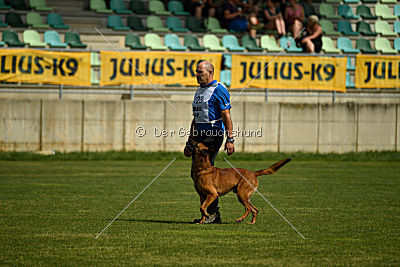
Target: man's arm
(187,151)
(226,118)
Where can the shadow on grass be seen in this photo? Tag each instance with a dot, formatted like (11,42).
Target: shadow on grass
(157,221)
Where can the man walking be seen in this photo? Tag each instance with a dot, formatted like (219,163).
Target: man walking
(212,118)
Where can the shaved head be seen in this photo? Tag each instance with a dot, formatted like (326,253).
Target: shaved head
(204,72)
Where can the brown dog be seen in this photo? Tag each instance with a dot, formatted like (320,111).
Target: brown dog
(211,182)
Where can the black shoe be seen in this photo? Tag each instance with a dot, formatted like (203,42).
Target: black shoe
(213,218)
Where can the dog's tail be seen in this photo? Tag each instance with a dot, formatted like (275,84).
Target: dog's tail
(275,167)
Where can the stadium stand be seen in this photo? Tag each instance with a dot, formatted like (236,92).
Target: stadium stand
(289,44)
(365,46)
(232,43)
(158,8)
(346,12)
(177,9)
(35,20)
(344,44)
(214,26)
(14,20)
(153,41)
(133,41)
(99,6)
(397,44)
(192,43)
(4,6)
(212,42)
(73,40)
(328,46)
(56,21)
(345,28)
(227,59)
(396,27)
(384,12)
(52,38)
(250,43)
(383,45)
(2,23)
(155,24)
(115,22)
(384,28)
(269,43)
(365,12)
(350,66)
(118,6)
(226,77)
(136,24)
(397,10)
(172,42)
(175,25)
(328,11)
(139,8)
(19,5)
(365,29)
(32,38)
(11,39)
(194,25)
(40,5)
(328,28)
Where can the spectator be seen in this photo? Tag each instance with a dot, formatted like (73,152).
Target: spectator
(196,8)
(294,15)
(273,18)
(213,8)
(312,42)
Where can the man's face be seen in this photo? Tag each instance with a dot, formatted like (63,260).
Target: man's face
(202,75)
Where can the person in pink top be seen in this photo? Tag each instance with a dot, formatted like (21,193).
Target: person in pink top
(294,15)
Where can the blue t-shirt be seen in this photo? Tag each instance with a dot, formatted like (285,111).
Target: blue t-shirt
(207,105)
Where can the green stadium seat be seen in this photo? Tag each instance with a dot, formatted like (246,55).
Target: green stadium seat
(328,46)
(344,27)
(155,23)
(225,77)
(396,44)
(194,25)
(384,12)
(250,43)
(174,24)
(344,44)
(269,43)
(327,27)
(153,41)
(328,11)
(212,24)
(11,38)
(56,21)
(350,65)
(95,59)
(176,8)
(365,46)
(192,43)
(364,28)
(346,12)
(39,5)
(308,9)
(115,22)
(369,1)
(133,41)
(396,27)
(2,43)
(3,24)
(383,45)
(349,81)
(19,5)
(332,1)
(227,61)
(99,6)
(389,1)
(36,21)
(74,40)
(119,7)
(52,38)
(289,44)
(352,1)
(158,8)
(139,8)
(172,41)
(383,28)
(32,38)
(397,10)
(136,24)
(365,12)
(4,6)
(212,43)
(14,20)
(232,43)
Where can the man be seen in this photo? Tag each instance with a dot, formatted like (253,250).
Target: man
(211,111)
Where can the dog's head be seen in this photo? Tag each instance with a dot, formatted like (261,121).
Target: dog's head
(198,148)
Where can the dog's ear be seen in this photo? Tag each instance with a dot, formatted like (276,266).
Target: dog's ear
(204,152)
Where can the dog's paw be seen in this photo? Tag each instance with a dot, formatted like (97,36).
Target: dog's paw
(239,221)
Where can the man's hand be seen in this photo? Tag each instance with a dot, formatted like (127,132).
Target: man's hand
(187,151)
(230,148)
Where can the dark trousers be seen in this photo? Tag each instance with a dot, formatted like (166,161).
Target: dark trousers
(213,143)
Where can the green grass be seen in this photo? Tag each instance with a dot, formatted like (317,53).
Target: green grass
(51,211)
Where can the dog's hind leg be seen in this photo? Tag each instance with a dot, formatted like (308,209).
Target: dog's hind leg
(254,211)
(209,199)
(246,205)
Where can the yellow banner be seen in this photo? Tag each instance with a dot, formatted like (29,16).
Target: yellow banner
(289,72)
(157,67)
(377,71)
(40,66)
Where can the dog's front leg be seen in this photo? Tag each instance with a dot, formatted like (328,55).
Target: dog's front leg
(209,199)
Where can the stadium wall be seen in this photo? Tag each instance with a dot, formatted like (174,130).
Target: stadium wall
(70,125)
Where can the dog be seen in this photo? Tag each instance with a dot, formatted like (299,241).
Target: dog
(211,182)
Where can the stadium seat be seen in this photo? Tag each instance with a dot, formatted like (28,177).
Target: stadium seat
(250,43)
(364,28)
(383,45)
(133,41)
(14,20)
(365,12)
(352,1)
(349,81)
(99,6)
(269,43)
(4,6)
(228,61)
(19,5)
(350,65)
(396,27)
(212,43)
(95,59)
(365,46)
(345,45)
(212,24)
(289,44)
(176,8)
(346,12)
(32,38)
(232,43)
(56,21)
(174,24)
(328,46)
(389,1)
(172,41)
(225,77)
(308,9)
(383,28)
(115,22)
(397,10)
(327,27)
(344,27)
(153,41)
(192,43)
(36,21)
(332,1)
(139,8)
(39,5)
(136,24)
(155,24)
(194,25)
(369,1)
(158,8)
(3,24)
(396,44)
(52,38)
(119,7)
(74,40)
(384,12)
(11,38)
(328,11)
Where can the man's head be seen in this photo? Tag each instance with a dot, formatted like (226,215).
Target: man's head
(204,73)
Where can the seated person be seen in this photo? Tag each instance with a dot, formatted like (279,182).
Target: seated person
(294,15)
(213,8)
(312,42)
(196,8)
(236,19)
(273,18)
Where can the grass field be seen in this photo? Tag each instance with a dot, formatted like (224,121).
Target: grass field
(51,211)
